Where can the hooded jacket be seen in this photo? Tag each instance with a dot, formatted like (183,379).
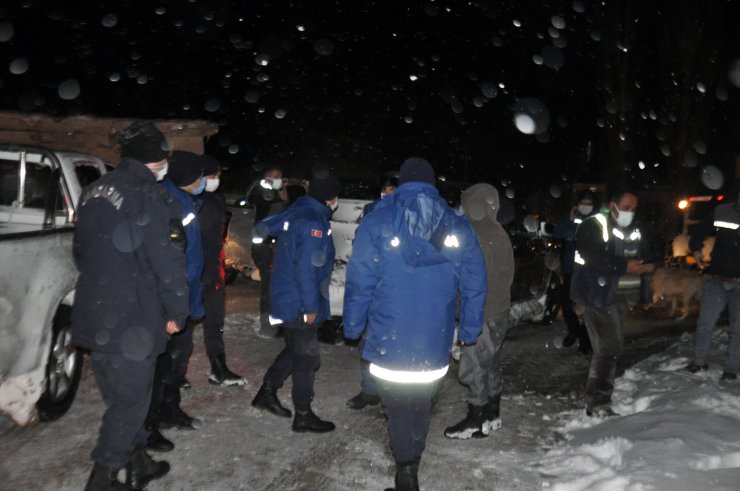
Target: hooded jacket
(411,256)
(480,203)
(128,247)
(304,259)
(724,224)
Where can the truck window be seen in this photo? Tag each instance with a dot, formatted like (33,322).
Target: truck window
(8,182)
(87,174)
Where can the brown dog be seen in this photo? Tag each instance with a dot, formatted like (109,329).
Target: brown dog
(672,282)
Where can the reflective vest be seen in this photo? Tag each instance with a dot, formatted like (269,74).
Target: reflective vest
(626,244)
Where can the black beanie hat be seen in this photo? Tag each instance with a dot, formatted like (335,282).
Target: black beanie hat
(209,165)
(324,188)
(185,168)
(142,141)
(416,169)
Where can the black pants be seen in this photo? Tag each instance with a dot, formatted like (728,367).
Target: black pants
(213,324)
(299,359)
(575,328)
(262,256)
(171,367)
(606,330)
(126,388)
(409,411)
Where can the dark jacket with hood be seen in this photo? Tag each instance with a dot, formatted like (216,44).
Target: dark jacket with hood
(480,203)
(410,258)
(724,223)
(129,248)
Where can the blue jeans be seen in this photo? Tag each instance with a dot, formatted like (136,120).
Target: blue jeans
(716,296)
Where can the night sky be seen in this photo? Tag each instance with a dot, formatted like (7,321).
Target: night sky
(646,90)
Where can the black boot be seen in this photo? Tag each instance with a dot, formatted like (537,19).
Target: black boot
(307,421)
(104,479)
(157,442)
(362,400)
(491,415)
(142,469)
(471,426)
(267,399)
(175,417)
(406,476)
(220,373)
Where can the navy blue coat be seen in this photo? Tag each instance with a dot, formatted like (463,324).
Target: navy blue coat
(410,258)
(129,248)
(304,259)
(193,246)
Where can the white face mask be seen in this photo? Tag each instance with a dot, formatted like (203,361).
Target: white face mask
(585,209)
(624,218)
(212,184)
(333,207)
(159,175)
(277,184)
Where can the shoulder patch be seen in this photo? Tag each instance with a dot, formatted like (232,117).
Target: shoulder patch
(316,233)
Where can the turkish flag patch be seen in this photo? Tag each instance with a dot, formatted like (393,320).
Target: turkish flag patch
(316,233)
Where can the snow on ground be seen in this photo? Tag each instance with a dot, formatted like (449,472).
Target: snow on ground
(676,431)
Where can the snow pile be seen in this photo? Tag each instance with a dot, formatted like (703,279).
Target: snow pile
(676,431)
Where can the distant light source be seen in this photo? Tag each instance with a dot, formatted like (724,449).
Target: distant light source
(683,204)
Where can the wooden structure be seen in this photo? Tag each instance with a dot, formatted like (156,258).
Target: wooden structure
(96,136)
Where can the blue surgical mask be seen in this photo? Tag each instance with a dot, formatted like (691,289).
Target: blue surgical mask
(200,188)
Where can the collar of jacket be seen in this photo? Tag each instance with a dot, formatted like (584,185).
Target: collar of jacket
(316,205)
(136,168)
(412,188)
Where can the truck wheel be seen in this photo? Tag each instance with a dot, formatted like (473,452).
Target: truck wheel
(63,369)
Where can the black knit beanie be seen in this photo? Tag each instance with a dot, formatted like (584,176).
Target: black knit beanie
(184,169)
(416,169)
(324,188)
(209,165)
(142,141)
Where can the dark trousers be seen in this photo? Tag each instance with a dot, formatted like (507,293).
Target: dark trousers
(409,411)
(126,388)
(171,367)
(575,328)
(262,256)
(367,381)
(213,324)
(299,359)
(606,330)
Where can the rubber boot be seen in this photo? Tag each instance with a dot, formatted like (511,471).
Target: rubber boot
(142,469)
(104,479)
(220,373)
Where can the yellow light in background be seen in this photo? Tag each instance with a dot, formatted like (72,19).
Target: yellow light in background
(683,204)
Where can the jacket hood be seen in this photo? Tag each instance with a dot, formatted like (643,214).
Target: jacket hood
(418,212)
(480,202)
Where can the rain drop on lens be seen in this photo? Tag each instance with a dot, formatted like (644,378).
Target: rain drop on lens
(712,177)
(323,47)
(280,113)
(602,281)
(6,32)
(531,116)
(19,66)
(109,20)
(212,105)
(69,89)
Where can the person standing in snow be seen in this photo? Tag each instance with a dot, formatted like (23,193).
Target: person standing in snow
(368,395)
(185,182)
(129,248)
(212,218)
(607,267)
(480,364)
(411,257)
(268,197)
(299,295)
(565,231)
(722,284)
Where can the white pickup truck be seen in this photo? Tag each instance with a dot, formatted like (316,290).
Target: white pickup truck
(39,188)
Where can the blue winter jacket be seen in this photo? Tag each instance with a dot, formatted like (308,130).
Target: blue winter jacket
(304,259)
(410,258)
(193,246)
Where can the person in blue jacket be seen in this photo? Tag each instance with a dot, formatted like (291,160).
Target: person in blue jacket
(184,182)
(411,258)
(299,298)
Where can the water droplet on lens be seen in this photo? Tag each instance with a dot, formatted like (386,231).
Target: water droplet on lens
(6,31)
(102,337)
(323,46)
(109,20)
(69,89)
(602,281)
(19,66)
(252,96)
(712,177)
